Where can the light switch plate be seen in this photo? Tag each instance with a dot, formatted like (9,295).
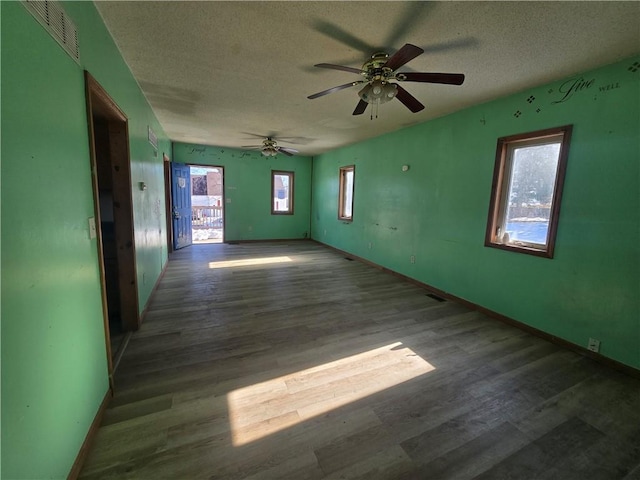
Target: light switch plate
(92,228)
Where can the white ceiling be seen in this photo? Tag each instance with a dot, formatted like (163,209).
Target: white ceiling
(228,73)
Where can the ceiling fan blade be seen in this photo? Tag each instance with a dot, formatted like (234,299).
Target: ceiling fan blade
(343,36)
(467,42)
(334,89)
(408,100)
(339,67)
(402,56)
(287,151)
(258,135)
(446,78)
(295,140)
(411,17)
(360,108)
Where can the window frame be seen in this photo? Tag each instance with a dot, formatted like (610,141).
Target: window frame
(501,181)
(342,192)
(291,176)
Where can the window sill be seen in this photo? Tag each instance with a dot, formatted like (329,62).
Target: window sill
(521,248)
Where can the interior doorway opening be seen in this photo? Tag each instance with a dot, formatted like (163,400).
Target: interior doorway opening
(207,204)
(112,191)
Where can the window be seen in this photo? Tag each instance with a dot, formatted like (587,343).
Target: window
(527,187)
(281,193)
(345,201)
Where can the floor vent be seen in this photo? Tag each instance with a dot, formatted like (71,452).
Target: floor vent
(233,243)
(435,297)
(55,20)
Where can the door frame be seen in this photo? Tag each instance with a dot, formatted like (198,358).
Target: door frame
(223,201)
(100,103)
(168,201)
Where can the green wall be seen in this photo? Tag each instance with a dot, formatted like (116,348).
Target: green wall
(438,210)
(247,185)
(54,370)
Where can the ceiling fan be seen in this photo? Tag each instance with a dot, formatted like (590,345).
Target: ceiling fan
(270,148)
(380,70)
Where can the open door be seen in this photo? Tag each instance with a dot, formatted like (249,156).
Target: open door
(181,200)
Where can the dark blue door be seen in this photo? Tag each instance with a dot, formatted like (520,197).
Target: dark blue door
(181,197)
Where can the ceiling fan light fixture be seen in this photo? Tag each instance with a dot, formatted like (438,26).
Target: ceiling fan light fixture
(365,93)
(378,92)
(389,91)
(269,152)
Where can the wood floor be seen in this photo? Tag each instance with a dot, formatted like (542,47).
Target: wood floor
(287,361)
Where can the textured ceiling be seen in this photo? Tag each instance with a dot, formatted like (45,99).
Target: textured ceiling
(227,73)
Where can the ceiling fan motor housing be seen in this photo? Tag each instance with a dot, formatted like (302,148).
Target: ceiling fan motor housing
(376,62)
(378,90)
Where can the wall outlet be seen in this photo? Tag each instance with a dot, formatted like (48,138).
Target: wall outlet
(370,245)
(594,345)
(413,259)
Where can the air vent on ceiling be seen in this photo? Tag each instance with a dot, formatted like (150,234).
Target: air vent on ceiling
(55,20)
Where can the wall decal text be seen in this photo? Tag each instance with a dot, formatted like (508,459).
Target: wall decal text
(570,87)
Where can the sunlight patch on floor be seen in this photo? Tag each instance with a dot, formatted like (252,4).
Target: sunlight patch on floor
(249,262)
(265,408)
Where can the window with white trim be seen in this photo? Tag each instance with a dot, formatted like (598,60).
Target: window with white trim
(345,199)
(281,193)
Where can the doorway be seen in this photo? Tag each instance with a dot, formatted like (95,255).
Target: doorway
(111,178)
(207,204)
(195,199)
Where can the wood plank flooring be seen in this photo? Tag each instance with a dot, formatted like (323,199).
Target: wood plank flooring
(286,361)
